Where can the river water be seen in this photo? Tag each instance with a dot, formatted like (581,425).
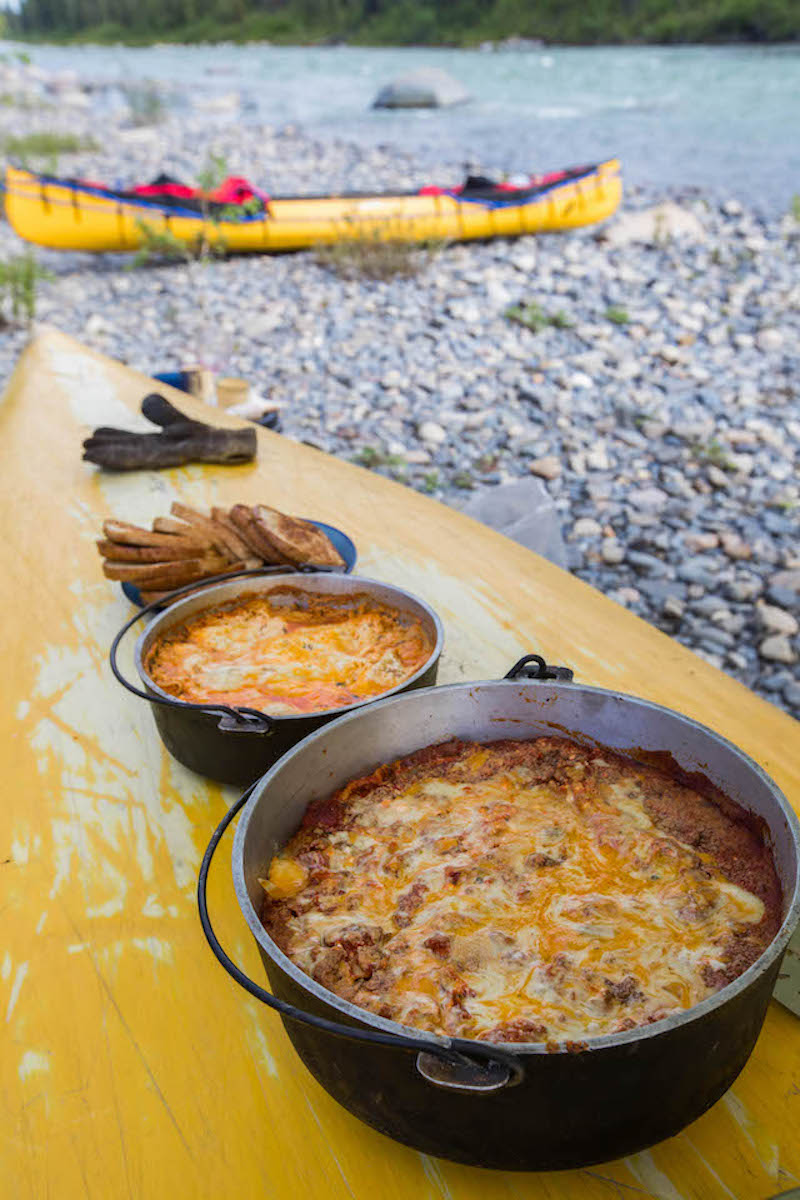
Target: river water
(724,119)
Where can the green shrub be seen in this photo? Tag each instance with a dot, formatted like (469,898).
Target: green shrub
(618,316)
(146,105)
(19,276)
(534,317)
(368,256)
(46,145)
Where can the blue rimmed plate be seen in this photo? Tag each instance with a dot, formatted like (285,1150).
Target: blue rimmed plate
(340,541)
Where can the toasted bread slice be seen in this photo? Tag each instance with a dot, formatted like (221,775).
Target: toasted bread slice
(242,517)
(233,538)
(298,541)
(134,535)
(118,552)
(169,525)
(166,574)
(202,524)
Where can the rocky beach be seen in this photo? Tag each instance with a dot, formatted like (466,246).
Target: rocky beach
(643,373)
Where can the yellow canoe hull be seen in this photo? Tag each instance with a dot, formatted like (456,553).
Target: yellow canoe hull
(63,216)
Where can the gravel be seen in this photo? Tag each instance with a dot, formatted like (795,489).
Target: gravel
(659,405)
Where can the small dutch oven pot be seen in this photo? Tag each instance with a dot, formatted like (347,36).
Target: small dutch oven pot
(530,1106)
(237,744)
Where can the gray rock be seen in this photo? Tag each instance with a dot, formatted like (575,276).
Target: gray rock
(429,87)
(649,499)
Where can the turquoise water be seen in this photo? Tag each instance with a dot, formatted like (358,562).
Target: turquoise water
(719,118)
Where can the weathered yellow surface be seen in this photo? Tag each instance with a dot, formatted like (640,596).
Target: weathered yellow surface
(132,1066)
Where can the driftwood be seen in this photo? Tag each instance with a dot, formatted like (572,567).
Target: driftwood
(180,441)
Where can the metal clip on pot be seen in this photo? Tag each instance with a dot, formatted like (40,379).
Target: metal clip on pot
(452,1063)
(231,720)
(521,669)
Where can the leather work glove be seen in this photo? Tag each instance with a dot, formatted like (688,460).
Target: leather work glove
(180,440)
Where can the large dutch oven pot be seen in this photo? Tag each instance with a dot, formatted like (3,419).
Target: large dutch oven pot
(238,744)
(520,1107)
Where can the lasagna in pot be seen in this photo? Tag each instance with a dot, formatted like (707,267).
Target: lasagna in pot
(523,891)
(289,652)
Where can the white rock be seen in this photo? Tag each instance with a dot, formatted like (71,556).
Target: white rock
(586,527)
(769,340)
(673,354)
(597,459)
(581,380)
(777,648)
(612,552)
(777,620)
(429,431)
(96,325)
(547,468)
(465,310)
(654,225)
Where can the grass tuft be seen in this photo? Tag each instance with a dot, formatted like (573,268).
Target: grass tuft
(534,317)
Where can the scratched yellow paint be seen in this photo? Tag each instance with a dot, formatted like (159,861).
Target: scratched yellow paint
(132,1066)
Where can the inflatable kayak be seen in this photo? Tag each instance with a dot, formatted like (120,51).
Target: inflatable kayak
(66,214)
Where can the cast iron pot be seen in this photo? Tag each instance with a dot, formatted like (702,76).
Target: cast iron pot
(237,744)
(518,1107)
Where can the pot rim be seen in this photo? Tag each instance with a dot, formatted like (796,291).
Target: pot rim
(150,632)
(592,1042)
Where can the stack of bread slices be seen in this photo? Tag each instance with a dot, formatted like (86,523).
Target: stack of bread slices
(192,545)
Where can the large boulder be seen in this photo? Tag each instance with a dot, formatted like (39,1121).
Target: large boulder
(426,88)
(653,226)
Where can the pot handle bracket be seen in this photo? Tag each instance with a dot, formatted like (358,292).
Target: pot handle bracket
(522,670)
(453,1063)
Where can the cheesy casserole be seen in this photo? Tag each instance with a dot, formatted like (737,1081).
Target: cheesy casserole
(287,651)
(523,891)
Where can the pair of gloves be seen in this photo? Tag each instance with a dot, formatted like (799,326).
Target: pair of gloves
(179,441)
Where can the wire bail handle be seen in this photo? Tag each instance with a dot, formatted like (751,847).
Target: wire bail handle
(452,1063)
(231,719)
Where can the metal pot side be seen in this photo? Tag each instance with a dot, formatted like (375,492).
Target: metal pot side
(194,737)
(622,1092)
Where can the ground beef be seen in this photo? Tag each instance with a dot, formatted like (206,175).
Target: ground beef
(361,960)
(623,991)
(519,1030)
(408,903)
(438,944)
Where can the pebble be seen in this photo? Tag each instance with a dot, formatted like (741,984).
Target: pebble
(777,620)
(612,552)
(586,527)
(777,648)
(670,444)
(547,467)
(735,547)
(769,340)
(429,431)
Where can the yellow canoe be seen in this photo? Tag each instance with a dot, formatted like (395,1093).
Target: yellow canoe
(71,215)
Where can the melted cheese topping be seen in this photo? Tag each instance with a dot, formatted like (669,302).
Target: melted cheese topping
(504,907)
(287,652)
